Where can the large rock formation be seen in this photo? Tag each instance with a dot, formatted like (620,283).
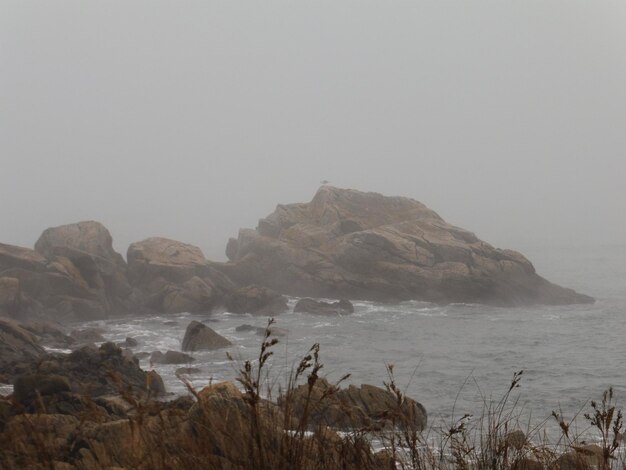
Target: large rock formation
(351,244)
(175,276)
(73,274)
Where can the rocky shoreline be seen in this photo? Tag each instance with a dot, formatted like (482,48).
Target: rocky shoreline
(96,408)
(344,244)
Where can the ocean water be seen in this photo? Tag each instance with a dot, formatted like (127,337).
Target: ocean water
(454,358)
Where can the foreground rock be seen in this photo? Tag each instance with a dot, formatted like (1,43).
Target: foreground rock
(95,371)
(223,429)
(353,407)
(351,244)
(317,307)
(17,345)
(200,337)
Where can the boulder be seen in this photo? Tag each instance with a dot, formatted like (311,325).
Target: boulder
(354,407)
(199,336)
(88,237)
(87,247)
(170,357)
(95,371)
(194,296)
(318,307)
(584,457)
(175,277)
(223,403)
(256,300)
(357,245)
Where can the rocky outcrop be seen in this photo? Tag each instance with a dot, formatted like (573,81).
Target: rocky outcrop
(175,277)
(318,307)
(356,245)
(256,300)
(73,274)
(9,296)
(200,337)
(34,285)
(95,371)
(223,428)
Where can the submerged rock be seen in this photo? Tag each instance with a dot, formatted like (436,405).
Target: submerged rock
(199,336)
(357,245)
(170,357)
(318,307)
(259,330)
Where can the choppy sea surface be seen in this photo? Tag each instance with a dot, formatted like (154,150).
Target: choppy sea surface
(451,358)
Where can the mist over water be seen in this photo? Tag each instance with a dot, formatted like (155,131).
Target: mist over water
(450,358)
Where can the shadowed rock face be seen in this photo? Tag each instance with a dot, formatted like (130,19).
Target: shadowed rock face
(351,244)
(200,337)
(32,284)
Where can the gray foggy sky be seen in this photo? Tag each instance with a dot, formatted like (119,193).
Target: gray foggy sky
(192,119)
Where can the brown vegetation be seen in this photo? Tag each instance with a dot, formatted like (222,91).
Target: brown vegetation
(225,427)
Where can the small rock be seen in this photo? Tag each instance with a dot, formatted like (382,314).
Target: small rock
(199,336)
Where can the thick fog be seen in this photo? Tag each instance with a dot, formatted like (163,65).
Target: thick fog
(190,120)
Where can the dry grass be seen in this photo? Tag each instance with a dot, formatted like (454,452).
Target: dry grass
(227,428)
